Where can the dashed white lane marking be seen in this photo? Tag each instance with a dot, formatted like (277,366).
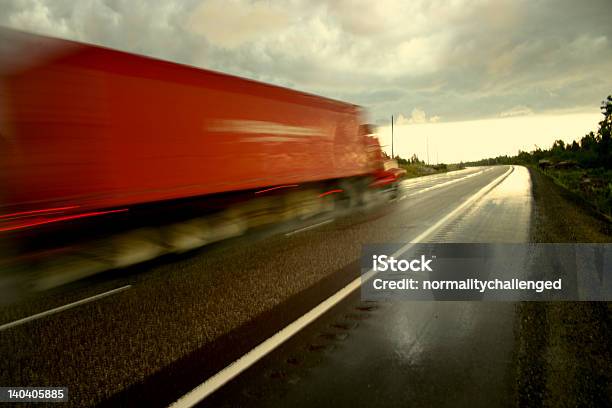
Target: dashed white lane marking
(446,183)
(411,182)
(62,308)
(222,377)
(309,227)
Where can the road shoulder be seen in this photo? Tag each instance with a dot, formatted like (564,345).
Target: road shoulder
(563,348)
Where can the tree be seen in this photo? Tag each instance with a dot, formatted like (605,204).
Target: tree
(588,141)
(415,160)
(575,146)
(604,146)
(401,160)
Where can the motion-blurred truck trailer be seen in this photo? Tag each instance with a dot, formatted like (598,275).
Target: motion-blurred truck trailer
(146,157)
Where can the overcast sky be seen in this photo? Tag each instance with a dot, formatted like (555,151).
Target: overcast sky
(430,63)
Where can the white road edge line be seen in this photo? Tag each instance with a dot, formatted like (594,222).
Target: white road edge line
(225,375)
(309,227)
(62,308)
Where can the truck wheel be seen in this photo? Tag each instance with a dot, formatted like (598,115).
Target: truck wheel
(352,196)
(394,190)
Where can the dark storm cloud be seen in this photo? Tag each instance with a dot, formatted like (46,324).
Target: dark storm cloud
(458,60)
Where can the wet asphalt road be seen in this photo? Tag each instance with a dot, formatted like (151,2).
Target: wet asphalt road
(404,353)
(184,318)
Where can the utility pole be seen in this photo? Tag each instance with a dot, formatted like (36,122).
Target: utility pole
(392,156)
(427,149)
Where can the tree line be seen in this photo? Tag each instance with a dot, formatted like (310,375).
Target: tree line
(593,150)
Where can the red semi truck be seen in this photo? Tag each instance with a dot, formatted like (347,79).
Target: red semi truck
(88,132)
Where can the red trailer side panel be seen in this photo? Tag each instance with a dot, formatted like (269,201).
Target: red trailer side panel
(96,128)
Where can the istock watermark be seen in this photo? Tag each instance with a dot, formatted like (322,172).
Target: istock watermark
(513,272)
(385,263)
